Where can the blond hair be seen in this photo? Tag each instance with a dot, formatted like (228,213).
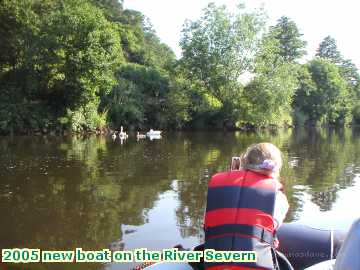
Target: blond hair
(264,158)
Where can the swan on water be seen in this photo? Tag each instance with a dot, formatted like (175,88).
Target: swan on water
(122,133)
(140,136)
(153,133)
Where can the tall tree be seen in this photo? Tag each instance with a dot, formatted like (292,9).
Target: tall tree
(328,50)
(76,54)
(268,97)
(292,47)
(323,93)
(64,53)
(220,46)
(350,73)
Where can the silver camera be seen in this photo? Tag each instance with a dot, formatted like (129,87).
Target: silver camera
(235,164)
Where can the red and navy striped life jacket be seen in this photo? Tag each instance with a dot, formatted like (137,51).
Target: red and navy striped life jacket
(239,216)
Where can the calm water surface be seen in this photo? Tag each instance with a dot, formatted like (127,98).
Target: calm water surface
(59,193)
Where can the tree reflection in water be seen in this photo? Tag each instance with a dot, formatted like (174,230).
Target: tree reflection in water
(61,193)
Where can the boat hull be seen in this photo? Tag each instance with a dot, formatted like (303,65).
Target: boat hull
(302,245)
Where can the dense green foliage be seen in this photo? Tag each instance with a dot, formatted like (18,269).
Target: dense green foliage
(88,64)
(328,50)
(267,98)
(348,71)
(322,93)
(217,49)
(67,59)
(291,46)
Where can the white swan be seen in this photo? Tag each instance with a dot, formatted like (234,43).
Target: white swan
(122,133)
(140,136)
(153,133)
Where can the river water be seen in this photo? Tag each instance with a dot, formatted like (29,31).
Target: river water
(59,193)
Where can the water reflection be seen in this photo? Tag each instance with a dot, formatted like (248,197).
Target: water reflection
(62,193)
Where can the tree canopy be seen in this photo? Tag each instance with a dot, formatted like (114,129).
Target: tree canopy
(328,50)
(322,93)
(220,46)
(291,45)
(90,64)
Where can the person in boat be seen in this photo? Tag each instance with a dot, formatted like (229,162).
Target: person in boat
(245,207)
